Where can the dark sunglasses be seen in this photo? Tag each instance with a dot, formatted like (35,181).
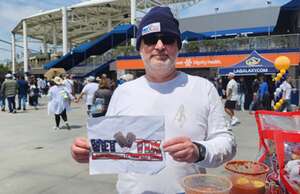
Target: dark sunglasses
(151,39)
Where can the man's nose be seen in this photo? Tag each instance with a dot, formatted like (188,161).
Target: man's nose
(159,45)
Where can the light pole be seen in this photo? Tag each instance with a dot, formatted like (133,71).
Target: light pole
(216,12)
(269,3)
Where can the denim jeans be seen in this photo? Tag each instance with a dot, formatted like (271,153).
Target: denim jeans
(11,103)
(2,103)
(22,100)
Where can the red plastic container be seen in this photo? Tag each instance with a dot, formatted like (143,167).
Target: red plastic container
(247,177)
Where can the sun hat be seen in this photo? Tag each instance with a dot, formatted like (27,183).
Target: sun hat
(158,19)
(57,80)
(231,74)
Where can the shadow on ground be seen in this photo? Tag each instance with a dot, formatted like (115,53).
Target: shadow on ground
(72,127)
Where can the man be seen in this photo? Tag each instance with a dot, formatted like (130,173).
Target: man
(196,136)
(9,89)
(231,99)
(89,90)
(287,90)
(263,93)
(254,103)
(242,91)
(23,91)
(69,84)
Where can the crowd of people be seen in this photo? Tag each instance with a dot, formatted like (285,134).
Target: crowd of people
(17,93)
(260,94)
(26,92)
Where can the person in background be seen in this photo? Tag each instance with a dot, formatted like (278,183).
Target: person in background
(69,84)
(34,92)
(263,94)
(59,97)
(2,97)
(287,91)
(242,90)
(101,98)
(23,91)
(231,99)
(41,84)
(254,102)
(88,90)
(196,136)
(219,86)
(9,89)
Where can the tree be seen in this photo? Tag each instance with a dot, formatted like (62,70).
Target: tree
(4,69)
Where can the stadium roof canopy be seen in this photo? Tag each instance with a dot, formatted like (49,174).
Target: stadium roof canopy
(86,20)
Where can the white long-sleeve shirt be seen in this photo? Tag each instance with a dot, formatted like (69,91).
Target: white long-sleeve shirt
(191,107)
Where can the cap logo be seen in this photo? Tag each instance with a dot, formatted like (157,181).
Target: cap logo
(151,28)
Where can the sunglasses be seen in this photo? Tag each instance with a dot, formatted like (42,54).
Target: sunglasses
(151,39)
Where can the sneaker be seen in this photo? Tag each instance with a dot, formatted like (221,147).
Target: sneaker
(234,121)
(68,126)
(56,128)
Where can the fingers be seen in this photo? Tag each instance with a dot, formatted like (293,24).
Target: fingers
(82,142)
(181,149)
(80,150)
(175,141)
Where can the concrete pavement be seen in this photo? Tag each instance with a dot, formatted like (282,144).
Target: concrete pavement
(35,159)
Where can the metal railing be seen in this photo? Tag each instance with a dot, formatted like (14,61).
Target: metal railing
(213,45)
(243,43)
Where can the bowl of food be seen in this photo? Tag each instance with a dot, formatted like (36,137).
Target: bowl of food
(206,184)
(247,177)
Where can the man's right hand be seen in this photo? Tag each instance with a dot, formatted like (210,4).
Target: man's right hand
(80,150)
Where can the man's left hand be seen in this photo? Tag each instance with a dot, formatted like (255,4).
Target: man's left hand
(182,149)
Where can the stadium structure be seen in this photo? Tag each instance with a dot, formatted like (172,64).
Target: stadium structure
(62,29)
(95,38)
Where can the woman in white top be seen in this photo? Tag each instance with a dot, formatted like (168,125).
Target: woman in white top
(59,102)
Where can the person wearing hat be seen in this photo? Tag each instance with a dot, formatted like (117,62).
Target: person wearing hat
(231,99)
(196,136)
(9,90)
(88,90)
(59,102)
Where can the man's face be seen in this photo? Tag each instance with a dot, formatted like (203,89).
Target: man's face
(159,52)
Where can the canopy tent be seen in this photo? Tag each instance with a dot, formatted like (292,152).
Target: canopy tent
(252,65)
(118,35)
(288,18)
(188,35)
(292,5)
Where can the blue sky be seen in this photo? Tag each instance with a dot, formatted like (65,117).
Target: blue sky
(12,11)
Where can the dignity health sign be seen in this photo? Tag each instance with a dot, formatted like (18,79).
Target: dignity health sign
(123,144)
